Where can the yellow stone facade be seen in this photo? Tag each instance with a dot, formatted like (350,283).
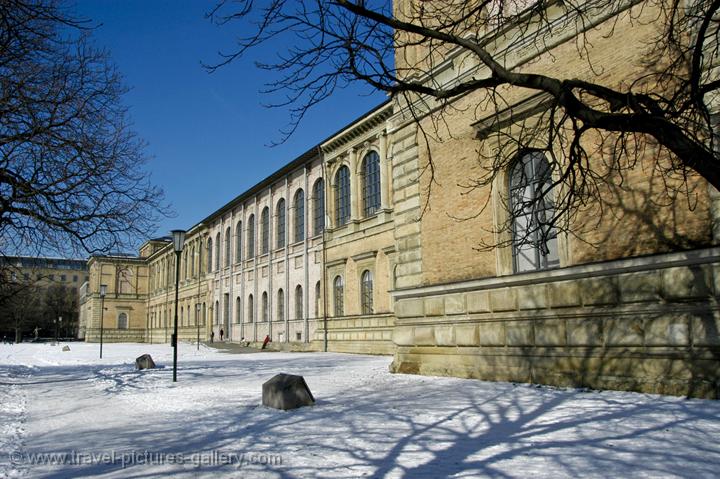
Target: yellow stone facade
(391,269)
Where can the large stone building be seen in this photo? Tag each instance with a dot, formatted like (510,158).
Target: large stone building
(348,248)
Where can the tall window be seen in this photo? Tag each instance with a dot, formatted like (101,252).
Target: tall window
(318,206)
(238,310)
(122,321)
(531,206)
(280,229)
(217,256)
(251,237)
(238,242)
(217,312)
(366,292)
(185,264)
(192,261)
(228,247)
(265,231)
(210,255)
(299,215)
(250,309)
(371,183)
(281,305)
(338,292)
(298,302)
(264,306)
(317,299)
(342,196)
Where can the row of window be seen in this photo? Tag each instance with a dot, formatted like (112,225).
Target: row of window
(298,233)
(366,301)
(160,318)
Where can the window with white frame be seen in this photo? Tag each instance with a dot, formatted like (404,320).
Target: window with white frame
(280,227)
(338,296)
(342,196)
(298,302)
(371,183)
(299,215)
(251,237)
(265,231)
(318,206)
(534,243)
(366,292)
(122,322)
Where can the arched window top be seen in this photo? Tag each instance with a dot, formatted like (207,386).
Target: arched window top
(299,202)
(342,196)
(532,210)
(371,183)
(318,206)
(265,306)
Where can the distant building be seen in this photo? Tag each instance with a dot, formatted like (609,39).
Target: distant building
(51,286)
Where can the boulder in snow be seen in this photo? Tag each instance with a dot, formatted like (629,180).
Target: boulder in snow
(286,391)
(144,362)
(66,348)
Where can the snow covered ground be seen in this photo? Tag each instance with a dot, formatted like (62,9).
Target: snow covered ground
(102,418)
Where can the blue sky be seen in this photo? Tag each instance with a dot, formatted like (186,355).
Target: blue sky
(206,133)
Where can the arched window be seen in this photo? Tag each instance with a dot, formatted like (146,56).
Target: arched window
(210,255)
(185,264)
(318,206)
(250,309)
(280,229)
(371,183)
(299,215)
(251,237)
(342,196)
(228,247)
(317,299)
(217,256)
(338,293)
(265,231)
(531,206)
(122,322)
(281,305)
(366,292)
(238,242)
(217,312)
(192,261)
(264,306)
(238,310)
(298,302)
(182,315)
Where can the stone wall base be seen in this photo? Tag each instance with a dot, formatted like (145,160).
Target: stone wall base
(678,373)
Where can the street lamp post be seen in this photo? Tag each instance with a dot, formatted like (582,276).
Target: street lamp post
(103,291)
(197,322)
(59,327)
(178,243)
(56,326)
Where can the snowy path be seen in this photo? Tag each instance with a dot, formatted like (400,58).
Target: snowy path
(367,422)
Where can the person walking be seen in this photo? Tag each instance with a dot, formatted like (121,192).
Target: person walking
(212,336)
(222,333)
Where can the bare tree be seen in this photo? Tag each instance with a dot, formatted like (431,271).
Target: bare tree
(663,109)
(72,175)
